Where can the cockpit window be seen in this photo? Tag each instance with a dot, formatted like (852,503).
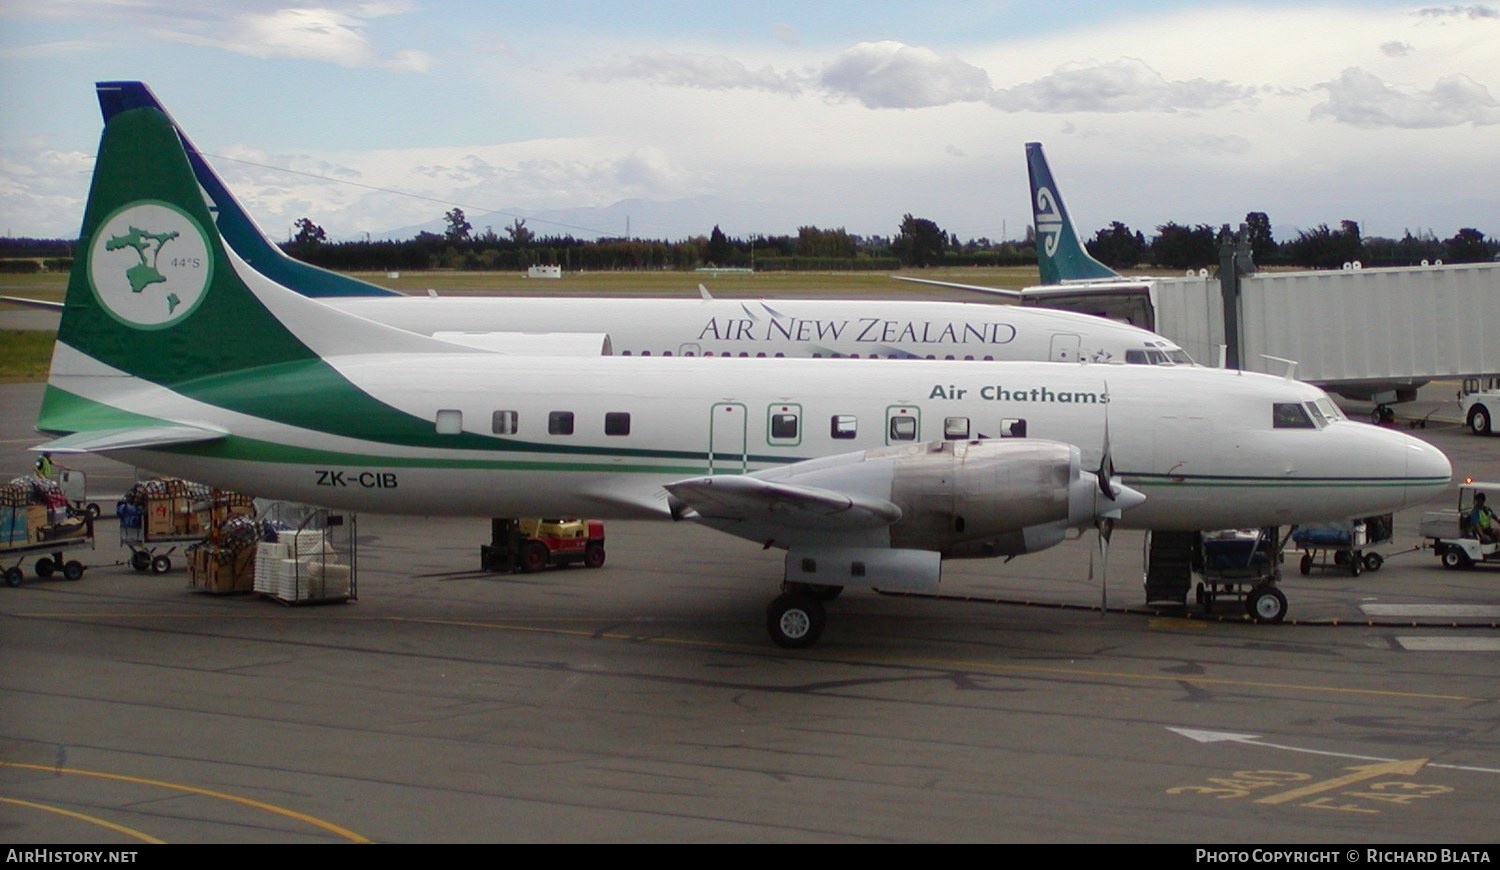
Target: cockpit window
(1163,356)
(1290,415)
(1329,409)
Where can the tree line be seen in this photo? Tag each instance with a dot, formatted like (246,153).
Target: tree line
(1176,246)
(916,243)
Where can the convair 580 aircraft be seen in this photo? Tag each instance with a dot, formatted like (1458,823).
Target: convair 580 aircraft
(684,327)
(177,355)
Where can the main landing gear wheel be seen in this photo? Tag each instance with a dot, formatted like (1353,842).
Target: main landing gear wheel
(795,620)
(1266,604)
(161,565)
(140,560)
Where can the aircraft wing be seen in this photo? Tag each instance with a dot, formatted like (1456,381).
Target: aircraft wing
(741,497)
(997,291)
(105,440)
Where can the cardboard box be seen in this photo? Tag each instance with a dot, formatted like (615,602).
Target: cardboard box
(36,520)
(208,572)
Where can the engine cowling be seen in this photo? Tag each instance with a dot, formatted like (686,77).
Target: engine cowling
(977,499)
(961,499)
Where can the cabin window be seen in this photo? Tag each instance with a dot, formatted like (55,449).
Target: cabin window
(783,425)
(559,422)
(617,423)
(903,428)
(450,422)
(1290,415)
(1012,427)
(955,428)
(505,422)
(843,426)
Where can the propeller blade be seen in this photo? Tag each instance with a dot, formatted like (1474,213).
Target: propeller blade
(1106,461)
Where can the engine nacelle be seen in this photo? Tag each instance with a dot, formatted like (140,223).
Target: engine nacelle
(977,499)
(962,499)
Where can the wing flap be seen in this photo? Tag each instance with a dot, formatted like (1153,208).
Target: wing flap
(741,497)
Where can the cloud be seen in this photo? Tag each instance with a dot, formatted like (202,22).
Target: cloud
(42,191)
(331,31)
(1124,85)
(892,75)
(317,33)
(1361,99)
(702,71)
(1456,11)
(1396,49)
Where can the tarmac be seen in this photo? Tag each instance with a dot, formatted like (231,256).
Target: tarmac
(1035,700)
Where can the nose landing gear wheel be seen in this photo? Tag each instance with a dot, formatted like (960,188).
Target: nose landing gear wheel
(795,621)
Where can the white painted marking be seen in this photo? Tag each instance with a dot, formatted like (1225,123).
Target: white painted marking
(1449,643)
(1254,740)
(1471,611)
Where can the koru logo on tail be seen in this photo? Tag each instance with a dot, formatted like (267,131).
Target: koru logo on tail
(1049,222)
(149,264)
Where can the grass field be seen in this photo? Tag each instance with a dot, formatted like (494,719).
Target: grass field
(26,355)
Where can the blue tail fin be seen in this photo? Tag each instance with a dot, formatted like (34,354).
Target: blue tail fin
(1060,255)
(237,228)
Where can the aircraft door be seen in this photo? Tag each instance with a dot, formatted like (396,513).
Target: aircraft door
(1065,347)
(726,439)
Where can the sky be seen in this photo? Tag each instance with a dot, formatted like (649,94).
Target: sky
(374,116)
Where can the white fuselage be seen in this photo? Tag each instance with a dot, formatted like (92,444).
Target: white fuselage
(530,436)
(902,329)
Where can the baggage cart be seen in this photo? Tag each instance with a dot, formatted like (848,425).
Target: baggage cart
(156,517)
(1243,565)
(312,559)
(1342,546)
(28,531)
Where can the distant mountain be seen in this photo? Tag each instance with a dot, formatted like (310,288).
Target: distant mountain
(640,218)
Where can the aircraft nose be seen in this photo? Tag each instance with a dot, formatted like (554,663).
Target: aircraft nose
(1428,471)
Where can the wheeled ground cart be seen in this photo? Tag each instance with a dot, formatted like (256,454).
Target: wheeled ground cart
(1342,546)
(33,522)
(156,516)
(1243,565)
(51,561)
